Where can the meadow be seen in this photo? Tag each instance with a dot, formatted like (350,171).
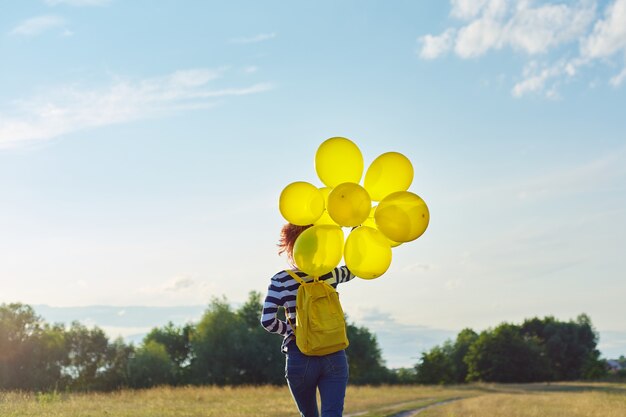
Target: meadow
(476,400)
(539,400)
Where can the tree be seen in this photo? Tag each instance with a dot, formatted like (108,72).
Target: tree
(177,343)
(48,355)
(569,346)
(226,347)
(261,360)
(88,356)
(151,365)
(31,352)
(218,345)
(436,366)
(366,365)
(404,376)
(504,355)
(446,364)
(116,372)
(464,340)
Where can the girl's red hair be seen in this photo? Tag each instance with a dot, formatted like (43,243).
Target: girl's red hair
(288,235)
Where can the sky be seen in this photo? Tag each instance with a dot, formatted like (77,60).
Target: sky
(144,144)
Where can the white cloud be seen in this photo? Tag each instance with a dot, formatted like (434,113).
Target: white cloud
(609,34)
(478,37)
(618,79)
(70,108)
(179,290)
(180,283)
(434,46)
(468,9)
(538,29)
(524,27)
(535,78)
(37,25)
(77,3)
(254,39)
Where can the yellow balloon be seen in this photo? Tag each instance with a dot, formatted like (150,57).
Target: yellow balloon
(325,217)
(301,203)
(367,253)
(402,216)
(393,243)
(371,222)
(338,160)
(318,249)
(388,173)
(349,204)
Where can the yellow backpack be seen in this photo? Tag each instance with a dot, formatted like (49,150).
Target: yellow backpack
(320,326)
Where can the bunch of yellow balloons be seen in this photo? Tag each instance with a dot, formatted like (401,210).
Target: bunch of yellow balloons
(399,215)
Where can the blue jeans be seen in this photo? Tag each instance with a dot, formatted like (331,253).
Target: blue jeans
(305,374)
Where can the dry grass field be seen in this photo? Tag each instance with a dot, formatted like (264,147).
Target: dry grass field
(210,401)
(532,400)
(539,400)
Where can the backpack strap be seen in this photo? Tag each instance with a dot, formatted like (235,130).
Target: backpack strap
(301,281)
(295,276)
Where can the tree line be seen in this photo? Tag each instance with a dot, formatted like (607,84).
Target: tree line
(537,350)
(226,347)
(229,347)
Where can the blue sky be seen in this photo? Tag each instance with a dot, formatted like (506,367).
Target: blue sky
(143,146)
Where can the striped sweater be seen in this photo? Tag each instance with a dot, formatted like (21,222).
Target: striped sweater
(282,293)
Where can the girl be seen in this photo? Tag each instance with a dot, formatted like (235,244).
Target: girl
(305,374)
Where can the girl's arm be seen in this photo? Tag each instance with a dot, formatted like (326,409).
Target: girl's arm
(343,274)
(273,301)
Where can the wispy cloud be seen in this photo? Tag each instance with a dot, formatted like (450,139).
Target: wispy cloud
(609,34)
(180,289)
(71,108)
(261,37)
(539,243)
(497,24)
(77,3)
(434,46)
(537,75)
(418,268)
(180,283)
(619,78)
(539,30)
(400,342)
(605,173)
(37,25)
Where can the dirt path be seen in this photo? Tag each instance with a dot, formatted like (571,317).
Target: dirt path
(411,413)
(408,413)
